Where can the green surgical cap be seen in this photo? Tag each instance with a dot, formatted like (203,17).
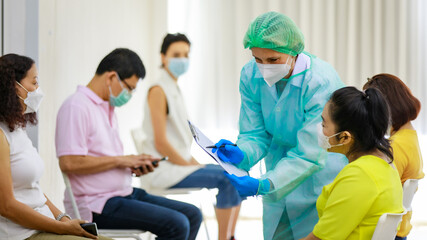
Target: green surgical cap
(274,31)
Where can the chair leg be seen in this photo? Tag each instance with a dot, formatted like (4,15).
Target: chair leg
(204,222)
(205,225)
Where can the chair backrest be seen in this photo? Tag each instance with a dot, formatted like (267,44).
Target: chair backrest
(138,137)
(409,188)
(71,195)
(387,226)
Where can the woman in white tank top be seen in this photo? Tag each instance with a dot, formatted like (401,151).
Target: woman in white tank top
(167,134)
(25,212)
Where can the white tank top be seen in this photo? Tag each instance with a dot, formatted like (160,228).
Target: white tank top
(177,133)
(27,169)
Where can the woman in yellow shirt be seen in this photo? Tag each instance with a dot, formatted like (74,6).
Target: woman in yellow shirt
(354,123)
(404,108)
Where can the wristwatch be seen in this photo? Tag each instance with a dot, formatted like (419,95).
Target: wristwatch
(61,215)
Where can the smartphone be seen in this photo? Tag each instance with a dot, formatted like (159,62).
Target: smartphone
(157,161)
(90,228)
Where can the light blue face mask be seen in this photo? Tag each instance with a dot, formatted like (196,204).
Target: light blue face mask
(121,99)
(178,66)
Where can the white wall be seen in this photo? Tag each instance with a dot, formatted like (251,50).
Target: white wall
(359,38)
(20,35)
(74,37)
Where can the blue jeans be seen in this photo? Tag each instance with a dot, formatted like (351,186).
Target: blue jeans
(212,176)
(400,238)
(168,219)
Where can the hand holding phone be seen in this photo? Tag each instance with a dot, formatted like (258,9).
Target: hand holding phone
(146,168)
(156,162)
(90,228)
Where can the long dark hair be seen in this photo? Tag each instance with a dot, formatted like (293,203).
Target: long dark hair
(365,115)
(13,68)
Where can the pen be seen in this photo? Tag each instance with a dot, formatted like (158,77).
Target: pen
(223,145)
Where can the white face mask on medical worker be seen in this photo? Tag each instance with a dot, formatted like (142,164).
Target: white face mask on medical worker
(323,140)
(272,73)
(33,99)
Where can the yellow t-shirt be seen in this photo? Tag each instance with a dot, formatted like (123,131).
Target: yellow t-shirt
(407,154)
(349,207)
(409,164)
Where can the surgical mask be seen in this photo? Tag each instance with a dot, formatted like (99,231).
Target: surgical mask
(272,73)
(33,99)
(121,99)
(178,66)
(323,140)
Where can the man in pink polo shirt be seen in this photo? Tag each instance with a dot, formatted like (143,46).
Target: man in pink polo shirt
(91,153)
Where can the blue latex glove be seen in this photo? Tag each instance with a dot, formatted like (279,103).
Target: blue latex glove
(249,186)
(229,153)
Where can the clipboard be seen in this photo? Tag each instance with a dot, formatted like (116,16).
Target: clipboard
(204,141)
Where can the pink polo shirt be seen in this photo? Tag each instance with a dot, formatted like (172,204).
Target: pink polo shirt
(87,125)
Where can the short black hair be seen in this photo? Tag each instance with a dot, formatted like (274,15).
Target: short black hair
(124,61)
(172,38)
(365,115)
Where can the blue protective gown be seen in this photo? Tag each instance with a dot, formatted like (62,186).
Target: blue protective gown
(282,130)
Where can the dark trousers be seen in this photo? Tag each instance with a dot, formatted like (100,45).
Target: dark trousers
(400,238)
(168,219)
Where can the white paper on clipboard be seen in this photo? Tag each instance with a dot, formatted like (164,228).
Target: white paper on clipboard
(204,141)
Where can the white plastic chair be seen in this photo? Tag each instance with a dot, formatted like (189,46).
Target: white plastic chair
(112,233)
(138,135)
(387,225)
(409,188)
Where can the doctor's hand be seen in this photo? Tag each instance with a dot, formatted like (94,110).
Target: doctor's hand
(228,153)
(249,186)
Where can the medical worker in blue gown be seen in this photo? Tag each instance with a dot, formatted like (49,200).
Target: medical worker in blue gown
(283,91)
